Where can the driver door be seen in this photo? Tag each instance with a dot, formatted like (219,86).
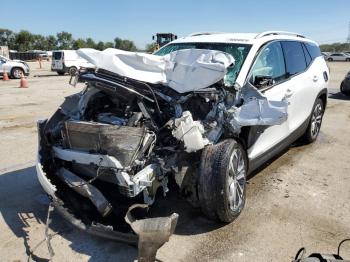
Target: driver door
(268,75)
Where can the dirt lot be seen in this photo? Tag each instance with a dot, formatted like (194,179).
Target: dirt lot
(300,199)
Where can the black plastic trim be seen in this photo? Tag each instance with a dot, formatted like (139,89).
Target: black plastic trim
(269,154)
(97,230)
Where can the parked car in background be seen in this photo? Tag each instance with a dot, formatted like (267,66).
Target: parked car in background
(345,85)
(338,57)
(43,55)
(325,55)
(67,61)
(15,68)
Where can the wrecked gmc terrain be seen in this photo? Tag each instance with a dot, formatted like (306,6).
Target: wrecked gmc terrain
(202,113)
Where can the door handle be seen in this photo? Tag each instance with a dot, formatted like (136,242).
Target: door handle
(315,78)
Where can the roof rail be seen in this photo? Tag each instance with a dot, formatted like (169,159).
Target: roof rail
(205,33)
(267,33)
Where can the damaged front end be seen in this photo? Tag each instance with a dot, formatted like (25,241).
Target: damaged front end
(112,148)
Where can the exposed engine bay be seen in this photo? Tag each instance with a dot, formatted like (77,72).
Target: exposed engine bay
(121,141)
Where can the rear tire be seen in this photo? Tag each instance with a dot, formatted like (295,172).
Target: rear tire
(17,73)
(72,70)
(314,126)
(222,181)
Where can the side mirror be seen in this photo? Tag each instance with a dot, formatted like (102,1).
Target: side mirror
(152,37)
(175,37)
(263,81)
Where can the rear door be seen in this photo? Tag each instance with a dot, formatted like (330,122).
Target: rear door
(302,89)
(270,63)
(57,60)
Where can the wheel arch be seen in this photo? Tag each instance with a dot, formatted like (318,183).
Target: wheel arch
(323,94)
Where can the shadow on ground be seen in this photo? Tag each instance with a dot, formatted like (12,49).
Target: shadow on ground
(339,96)
(48,75)
(23,204)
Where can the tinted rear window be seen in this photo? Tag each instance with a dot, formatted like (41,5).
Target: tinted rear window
(308,58)
(57,55)
(313,49)
(294,56)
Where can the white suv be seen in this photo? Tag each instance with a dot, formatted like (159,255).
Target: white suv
(201,113)
(15,68)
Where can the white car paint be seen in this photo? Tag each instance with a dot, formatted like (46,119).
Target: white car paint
(63,60)
(182,70)
(338,57)
(8,65)
(301,89)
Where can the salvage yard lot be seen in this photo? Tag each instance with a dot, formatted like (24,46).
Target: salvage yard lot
(300,199)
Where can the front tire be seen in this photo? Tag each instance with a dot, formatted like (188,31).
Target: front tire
(330,59)
(222,180)
(314,126)
(17,73)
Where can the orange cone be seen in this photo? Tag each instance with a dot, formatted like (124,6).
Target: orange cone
(24,82)
(5,76)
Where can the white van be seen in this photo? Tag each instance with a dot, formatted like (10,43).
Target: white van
(67,61)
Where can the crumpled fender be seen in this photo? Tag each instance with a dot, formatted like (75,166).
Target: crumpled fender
(257,110)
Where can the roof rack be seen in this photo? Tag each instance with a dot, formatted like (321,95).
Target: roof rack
(267,33)
(205,33)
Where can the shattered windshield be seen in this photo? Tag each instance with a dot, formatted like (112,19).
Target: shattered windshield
(238,51)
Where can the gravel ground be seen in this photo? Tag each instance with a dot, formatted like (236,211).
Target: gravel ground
(300,199)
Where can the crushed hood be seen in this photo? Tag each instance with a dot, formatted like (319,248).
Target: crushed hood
(183,70)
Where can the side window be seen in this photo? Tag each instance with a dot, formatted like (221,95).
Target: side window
(294,55)
(307,55)
(269,67)
(313,49)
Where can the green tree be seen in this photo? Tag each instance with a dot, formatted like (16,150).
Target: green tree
(7,38)
(65,40)
(100,45)
(335,47)
(39,42)
(108,45)
(51,43)
(124,44)
(24,40)
(79,43)
(90,43)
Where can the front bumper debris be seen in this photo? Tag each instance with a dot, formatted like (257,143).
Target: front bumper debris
(151,233)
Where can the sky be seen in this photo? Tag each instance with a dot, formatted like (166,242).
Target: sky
(325,21)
